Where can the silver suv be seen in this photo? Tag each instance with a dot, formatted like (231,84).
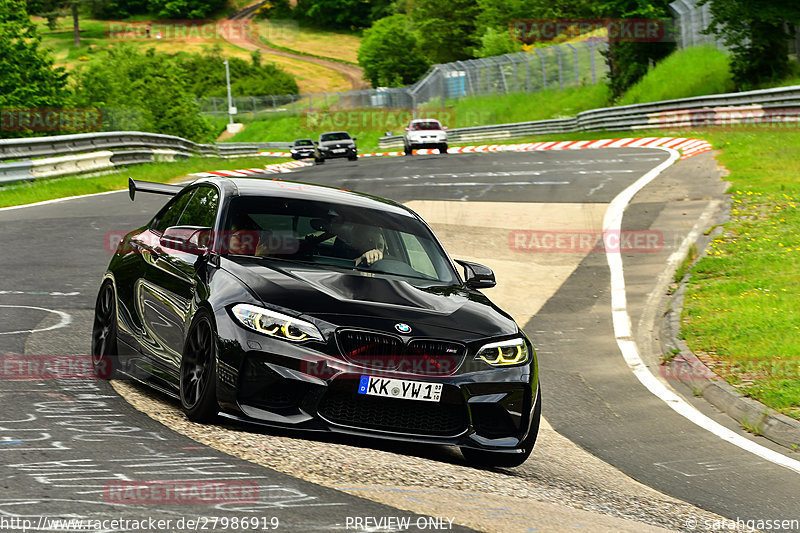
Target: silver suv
(425,133)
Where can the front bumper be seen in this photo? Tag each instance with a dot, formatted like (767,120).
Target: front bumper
(331,154)
(301,154)
(425,142)
(288,385)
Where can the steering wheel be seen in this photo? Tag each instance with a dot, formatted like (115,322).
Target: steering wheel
(393,266)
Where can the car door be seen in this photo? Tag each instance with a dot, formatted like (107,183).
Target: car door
(130,269)
(170,283)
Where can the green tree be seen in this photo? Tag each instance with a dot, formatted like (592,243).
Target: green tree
(628,61)
(205,75)
(447,30)
(142,91)
(757,34)
(27,75)
(390,54)
(341,14)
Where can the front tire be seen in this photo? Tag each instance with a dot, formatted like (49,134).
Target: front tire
(198,373)
(443,149)
(105,358)
(408,151)
(505,460)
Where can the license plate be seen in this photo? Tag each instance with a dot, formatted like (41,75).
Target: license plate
(400,388)
(340,150)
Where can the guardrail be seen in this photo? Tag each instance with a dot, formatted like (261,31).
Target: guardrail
(781,105)
(40,157)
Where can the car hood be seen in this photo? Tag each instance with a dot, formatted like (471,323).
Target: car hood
(361,299)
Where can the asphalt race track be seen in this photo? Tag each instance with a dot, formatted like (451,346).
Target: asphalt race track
(64,441)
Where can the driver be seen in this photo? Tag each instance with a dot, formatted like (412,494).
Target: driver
(373,242)
(361,243)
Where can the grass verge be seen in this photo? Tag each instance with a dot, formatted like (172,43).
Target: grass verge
(49,189)
(742,310)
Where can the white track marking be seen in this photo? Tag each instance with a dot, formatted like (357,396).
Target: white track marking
(65,320)
(57,200)
(612,222)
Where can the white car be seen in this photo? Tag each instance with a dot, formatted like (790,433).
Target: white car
(425,133)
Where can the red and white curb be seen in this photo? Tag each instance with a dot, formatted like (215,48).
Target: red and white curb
(277,168)
(687,147)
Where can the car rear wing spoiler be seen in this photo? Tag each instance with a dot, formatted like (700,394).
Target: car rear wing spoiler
(155,188)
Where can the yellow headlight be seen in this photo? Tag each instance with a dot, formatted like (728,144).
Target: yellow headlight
(504,353)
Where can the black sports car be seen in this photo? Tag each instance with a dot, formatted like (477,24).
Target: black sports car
(316,308)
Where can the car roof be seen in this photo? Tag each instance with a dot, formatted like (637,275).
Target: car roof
(304,191)
(425,120)
(303,139)
(329,132)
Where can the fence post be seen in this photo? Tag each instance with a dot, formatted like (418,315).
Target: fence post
(575,58)
(527,72)
(560,68)
(544,69)
(274,104)
(592,48)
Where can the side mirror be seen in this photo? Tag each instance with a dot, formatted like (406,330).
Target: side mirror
(444,127)
(193,240)
(355,138)
(407,129)
(477,276)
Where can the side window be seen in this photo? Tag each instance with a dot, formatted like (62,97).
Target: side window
(419,259)
(173,212)
(201,209)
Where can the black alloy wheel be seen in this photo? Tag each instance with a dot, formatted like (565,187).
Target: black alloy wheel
(104,333)
(198,376)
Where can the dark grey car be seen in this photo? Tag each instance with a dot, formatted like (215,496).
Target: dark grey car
(333,144)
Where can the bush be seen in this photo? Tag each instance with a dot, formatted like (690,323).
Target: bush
(143,92)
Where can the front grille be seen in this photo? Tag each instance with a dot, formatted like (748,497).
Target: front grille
(390,414)
(380,352)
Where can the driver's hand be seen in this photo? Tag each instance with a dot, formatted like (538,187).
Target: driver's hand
(370,256)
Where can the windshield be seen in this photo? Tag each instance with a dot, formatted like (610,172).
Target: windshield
(335,235)
(304,142)
(426,126)
(336,136)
